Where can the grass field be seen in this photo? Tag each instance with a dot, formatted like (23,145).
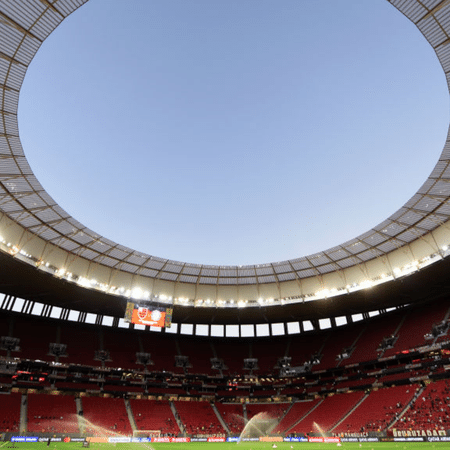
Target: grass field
(231,446)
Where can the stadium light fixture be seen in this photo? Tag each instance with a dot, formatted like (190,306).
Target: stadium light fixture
(137,293)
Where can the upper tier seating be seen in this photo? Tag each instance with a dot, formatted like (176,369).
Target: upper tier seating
(418,323)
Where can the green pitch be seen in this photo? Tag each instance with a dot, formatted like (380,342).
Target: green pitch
(231,446)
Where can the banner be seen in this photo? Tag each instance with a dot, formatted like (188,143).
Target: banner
(270,439)
(97,440)
(357,439)
(414,433)
(24,439)
(171,439)
(408,439)
(119,439)
(327,440)
(438,439)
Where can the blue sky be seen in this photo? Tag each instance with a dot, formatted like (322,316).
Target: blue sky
(237,131)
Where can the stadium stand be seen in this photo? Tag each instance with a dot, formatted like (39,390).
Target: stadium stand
(52,414)
(199,418)
(319,384)
(81,344)
(371,338)
(268,410)
(267,354)
(430,410)
(233,415)
(162,349)
(121,347)
(107,415)
(378,409)
(295,414)
(154,415)
(200,354)
(418,323)
(233,354)
(335,342)
(10,411)
(327,414)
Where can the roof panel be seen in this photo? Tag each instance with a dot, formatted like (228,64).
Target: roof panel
(307,273)
(348,262)
(327,268)
(282,268)
(148,272)
(173,268)
(41,18)
(187,279)
(188,270)
(370,254)
(410,235)
(247,280)
(230,280)
(267,279)
(208,280)
(210,272)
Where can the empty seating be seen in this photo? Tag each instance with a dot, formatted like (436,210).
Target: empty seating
(199,418)
(430,410)
(418,323)
(199,352)
(106,416)
(275,411)
(10,411)
(298,410)
(377,410)
(154,415)
(233,354)
(233,416)
(328,413)
(368,343)
(336,342)
(52,413)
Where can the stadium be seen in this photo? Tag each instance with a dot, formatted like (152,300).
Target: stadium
(102,344)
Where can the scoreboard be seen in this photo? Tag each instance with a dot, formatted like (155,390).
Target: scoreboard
(148,314)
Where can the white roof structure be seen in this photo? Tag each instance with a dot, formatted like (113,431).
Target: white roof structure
(34,228)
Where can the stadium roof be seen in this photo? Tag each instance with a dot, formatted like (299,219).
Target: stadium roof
(38,231)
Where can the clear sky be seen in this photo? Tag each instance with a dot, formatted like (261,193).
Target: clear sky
(233,131)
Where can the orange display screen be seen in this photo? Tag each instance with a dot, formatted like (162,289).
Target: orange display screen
(149,317)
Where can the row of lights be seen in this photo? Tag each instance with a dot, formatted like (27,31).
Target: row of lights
(367,284)
(139,294)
